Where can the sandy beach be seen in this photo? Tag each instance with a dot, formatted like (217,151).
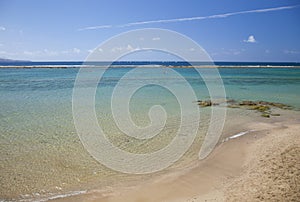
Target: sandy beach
(262,165)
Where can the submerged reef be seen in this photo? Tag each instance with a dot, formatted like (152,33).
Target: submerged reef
(264,107)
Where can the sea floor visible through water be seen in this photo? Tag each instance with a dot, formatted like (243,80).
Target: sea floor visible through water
(43,156)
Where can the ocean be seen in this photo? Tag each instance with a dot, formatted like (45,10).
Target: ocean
(135,63)
(41,154)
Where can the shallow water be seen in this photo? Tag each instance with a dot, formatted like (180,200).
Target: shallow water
(41,152)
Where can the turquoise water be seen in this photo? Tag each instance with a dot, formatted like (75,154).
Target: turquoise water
(40,150)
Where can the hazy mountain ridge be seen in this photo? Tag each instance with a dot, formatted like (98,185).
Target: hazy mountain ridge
(3,60)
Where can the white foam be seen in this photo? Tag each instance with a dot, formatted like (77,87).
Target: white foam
(73,193)
(237,135)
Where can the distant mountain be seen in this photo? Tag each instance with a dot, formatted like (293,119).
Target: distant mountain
(4,60)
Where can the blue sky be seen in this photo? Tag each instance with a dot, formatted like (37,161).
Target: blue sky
(229,30)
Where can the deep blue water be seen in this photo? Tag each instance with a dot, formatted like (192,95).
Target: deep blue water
(166,63)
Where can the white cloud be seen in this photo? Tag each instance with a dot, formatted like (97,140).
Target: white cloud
(95,27)
(155,39)
(7,54)
(50,53)
(65,52)
(120,49)
(28,53)
(2,28)
(236,52)
(224,15)
(45,53)
(93,50)
(129,47)
(228,52)
(250,39)
(291,52)
(76,50)
(116,49)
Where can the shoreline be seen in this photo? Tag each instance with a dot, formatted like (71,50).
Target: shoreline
(140,66)
(214,177)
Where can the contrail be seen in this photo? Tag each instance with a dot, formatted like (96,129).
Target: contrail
(224,15)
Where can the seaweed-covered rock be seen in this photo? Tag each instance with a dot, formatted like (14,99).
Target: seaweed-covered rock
(231,101)
(204,103)
(248,103)
(221,101)
(275,104)
(233,106)
(265,115)
(263,107)
(280,105)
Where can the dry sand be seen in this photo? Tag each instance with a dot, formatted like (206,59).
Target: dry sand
(273,173)
(263,165)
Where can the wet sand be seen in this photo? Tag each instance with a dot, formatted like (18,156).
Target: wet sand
(262,165)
